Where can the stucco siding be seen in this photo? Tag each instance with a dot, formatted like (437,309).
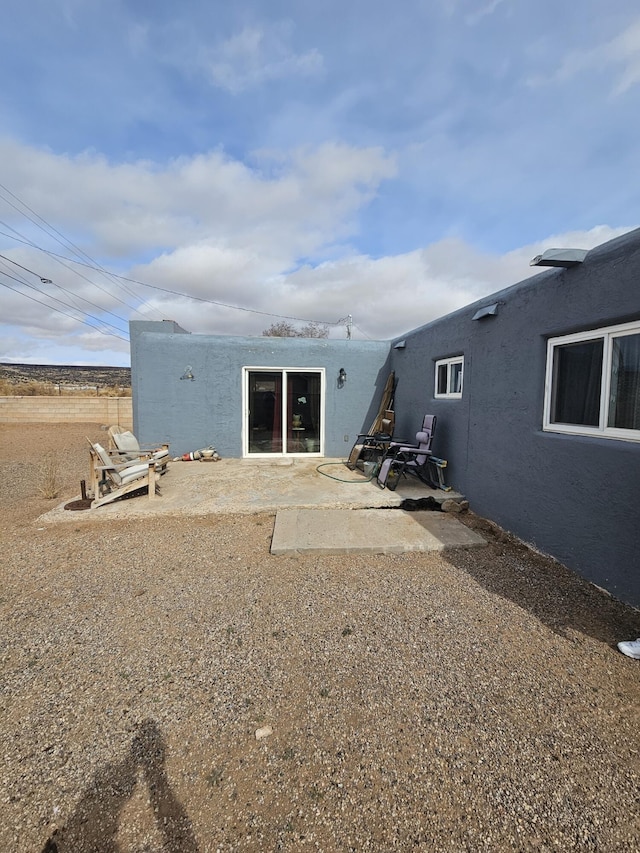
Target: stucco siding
(210,409)
(574,497)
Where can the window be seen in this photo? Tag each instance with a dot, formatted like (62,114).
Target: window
(593,383)
(449,377)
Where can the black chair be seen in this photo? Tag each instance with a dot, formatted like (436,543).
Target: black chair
(372,446)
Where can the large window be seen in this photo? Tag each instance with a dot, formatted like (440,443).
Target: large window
(449,377)
(593,383)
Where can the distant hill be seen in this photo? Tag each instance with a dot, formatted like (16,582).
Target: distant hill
(67,375)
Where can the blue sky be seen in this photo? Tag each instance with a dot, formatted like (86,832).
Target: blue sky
(388,161)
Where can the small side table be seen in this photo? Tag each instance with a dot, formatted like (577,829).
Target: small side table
(297,441)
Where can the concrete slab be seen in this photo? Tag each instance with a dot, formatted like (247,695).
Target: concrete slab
(368,531)
(247,486)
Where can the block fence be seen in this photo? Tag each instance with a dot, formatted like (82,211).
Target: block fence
(67,410)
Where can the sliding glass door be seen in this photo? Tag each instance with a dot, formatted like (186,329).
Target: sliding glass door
(283,411)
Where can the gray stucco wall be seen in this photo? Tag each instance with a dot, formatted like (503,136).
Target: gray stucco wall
(574,497)
(209,410)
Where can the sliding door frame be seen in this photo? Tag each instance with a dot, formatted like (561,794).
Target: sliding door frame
(284,371)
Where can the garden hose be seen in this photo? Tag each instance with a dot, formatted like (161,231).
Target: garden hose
(340,480)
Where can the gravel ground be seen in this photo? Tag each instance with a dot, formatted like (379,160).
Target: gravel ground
(168,685)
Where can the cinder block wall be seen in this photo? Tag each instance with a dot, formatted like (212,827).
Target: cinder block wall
(67,410)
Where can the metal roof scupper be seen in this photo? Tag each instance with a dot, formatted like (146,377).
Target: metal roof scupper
(559,258)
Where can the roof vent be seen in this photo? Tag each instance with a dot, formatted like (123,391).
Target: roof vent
(559,258)
(487,311)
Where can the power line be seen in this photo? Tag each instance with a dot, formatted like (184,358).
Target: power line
(66,290)
(52,232)
(167,290)
(60,302)
(57,310)
(361,332)
(226,305)
(61,258)
(97,268)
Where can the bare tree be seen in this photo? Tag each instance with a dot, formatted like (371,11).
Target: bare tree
(280,330)
(283,329)
(314,330)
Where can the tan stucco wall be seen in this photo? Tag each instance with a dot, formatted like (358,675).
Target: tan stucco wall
(67,410)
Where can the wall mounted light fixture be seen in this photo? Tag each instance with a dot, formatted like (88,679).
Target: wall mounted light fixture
(188,373)
(342,377)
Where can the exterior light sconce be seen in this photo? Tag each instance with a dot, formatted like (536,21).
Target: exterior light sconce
(400,345)
(342,377)
(188,373)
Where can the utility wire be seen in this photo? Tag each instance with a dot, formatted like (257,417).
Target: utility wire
(97,268)
(66,305)
(72,295)
(166,290)
(57,310)
(361,332)
(52,232)
(61,258)
(226,305)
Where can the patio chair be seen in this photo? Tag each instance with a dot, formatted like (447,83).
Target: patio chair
(372,446)
(124,446)
(416,459)
(111,480)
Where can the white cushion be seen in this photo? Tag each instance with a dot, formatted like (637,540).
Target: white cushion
(125,475)
(133,472)
(102,453)
(127,443)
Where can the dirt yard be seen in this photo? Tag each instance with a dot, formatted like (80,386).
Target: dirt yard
(168,685)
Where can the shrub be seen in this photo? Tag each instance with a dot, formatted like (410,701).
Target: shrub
(49,485)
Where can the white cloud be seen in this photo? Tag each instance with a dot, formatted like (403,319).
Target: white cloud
(258,55)
(261,238)
(386,296)
(206,225)
(308,194)
(483,11)
(619,55)
(309,167)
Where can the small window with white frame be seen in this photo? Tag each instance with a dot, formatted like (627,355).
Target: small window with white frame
(449,375)
(593,383)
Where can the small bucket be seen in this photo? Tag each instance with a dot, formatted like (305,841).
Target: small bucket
(369,469)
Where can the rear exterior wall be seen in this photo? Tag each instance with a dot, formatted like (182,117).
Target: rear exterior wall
(209,410)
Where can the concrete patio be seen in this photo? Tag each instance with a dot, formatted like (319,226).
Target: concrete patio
(313,501)
(247,486)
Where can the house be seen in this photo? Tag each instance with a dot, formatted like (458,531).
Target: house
(536,390)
